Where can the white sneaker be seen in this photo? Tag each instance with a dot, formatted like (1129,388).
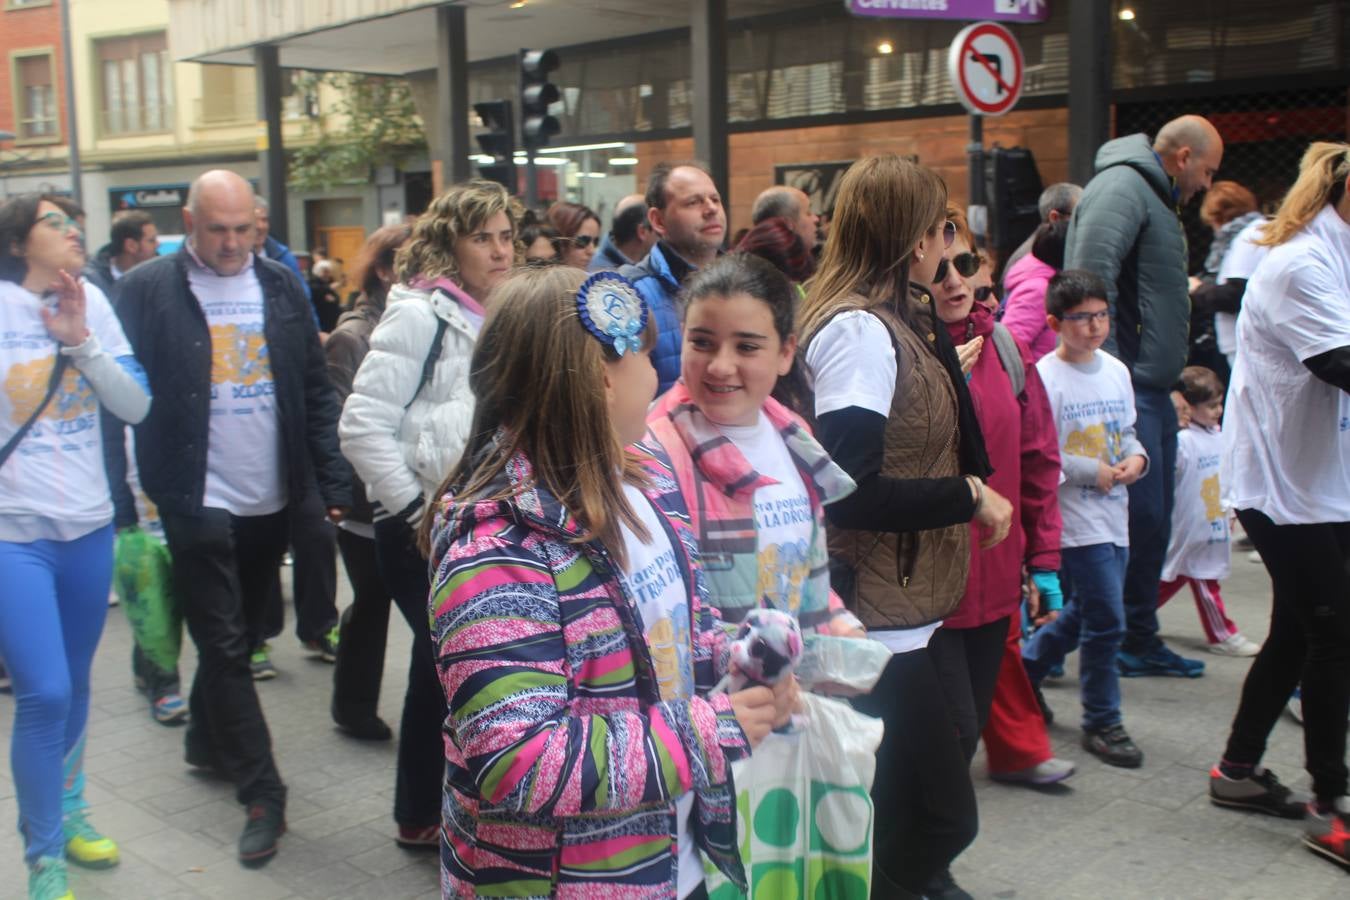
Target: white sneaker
(1236,645)
(1051,771)
(1254,557)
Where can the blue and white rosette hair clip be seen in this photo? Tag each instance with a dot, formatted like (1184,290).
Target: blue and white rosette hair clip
(612,309)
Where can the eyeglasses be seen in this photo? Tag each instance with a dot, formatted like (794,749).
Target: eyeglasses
(583,241)
(948,233)
(983,293)
(58,221)
(1100,316)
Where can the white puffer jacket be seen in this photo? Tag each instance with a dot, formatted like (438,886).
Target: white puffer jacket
(404,454)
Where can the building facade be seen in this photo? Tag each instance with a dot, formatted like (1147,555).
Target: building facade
(32,99)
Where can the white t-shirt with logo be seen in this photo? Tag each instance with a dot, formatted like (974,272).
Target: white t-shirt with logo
(1093,408)
(53,486)
(784,524)
(655,579)
(1241,260)
(1287,432)
(245,472)
(1199,546)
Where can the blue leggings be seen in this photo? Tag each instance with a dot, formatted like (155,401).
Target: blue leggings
(53,600)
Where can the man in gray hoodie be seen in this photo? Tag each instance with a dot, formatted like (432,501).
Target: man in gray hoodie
(1126,230)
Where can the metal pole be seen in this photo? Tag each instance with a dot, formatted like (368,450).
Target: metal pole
(979,218)
(1089,85)
(271,153)
(452,93)
(72,122)
(708,47)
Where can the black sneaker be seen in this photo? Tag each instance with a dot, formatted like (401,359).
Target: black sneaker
(943,887)
(264,828)
(1259,793)
(1113,746)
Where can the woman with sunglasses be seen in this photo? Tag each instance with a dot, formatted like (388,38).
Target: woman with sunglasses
(63,355)
(892,408)
(578,232)
(977,646)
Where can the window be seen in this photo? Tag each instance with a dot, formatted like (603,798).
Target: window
(137,84)
(21,4)
(35,97)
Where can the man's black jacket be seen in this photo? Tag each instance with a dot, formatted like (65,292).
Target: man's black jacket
(168,333)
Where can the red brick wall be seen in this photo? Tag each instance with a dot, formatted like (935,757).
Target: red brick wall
(939,143)
(20,29)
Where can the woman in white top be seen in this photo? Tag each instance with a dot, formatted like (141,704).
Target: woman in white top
(62,353)
(892,409)
(403,428)
(1287,456)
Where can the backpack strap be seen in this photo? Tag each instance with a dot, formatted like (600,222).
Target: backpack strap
(58,369)
(433,357)
(1011,357)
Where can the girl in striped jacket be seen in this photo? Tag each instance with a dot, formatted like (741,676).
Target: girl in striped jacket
(584,757)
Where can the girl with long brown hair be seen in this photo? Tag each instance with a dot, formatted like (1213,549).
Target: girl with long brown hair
(892,409)
(572,647)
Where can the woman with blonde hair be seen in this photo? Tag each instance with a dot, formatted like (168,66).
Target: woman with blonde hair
(404,427)
(1287,459)
(892,408)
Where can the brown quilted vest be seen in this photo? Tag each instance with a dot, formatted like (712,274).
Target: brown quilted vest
(910,579)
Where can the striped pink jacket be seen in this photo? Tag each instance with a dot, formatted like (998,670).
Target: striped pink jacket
(562,763)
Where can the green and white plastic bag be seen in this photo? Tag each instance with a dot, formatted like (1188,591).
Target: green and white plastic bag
(143,579)
(804,810)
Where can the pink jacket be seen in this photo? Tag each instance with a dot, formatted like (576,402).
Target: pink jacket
(1019,433)
(1024,310)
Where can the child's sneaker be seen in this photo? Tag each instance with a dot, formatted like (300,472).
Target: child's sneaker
(169,709)
(1328,834)
(47,880)
(1113,746)
(85,846)
(1259,792)
(1235,645)
(325,645)
(418,837)
(260,664)
(1161,661)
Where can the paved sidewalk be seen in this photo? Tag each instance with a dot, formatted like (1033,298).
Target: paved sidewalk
(1109,833)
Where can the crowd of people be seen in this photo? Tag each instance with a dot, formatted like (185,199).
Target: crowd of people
(579,462)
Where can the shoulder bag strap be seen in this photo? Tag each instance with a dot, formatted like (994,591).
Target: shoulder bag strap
(58,369)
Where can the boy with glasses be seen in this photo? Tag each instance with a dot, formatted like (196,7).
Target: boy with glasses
(1093,406)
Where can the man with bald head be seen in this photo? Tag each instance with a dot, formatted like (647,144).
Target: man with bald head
(244,417)
(788,203)
(1126,229)
(629,238)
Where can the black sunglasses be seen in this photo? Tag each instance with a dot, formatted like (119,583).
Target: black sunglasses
(966,265)
(583,241)
(983,293)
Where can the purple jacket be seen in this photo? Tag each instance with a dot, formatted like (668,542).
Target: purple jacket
(1024,312)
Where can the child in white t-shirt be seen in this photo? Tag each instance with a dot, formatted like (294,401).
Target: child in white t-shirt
(1198,554)
(1093,407)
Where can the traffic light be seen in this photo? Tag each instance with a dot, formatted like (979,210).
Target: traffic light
(1012,189)
(497,140)
(537,93)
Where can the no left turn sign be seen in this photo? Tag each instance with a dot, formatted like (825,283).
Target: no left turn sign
(986,68)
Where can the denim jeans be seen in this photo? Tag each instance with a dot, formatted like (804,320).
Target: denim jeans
(1093,621)
(1150,518)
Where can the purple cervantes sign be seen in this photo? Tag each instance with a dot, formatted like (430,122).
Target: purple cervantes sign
(971,10)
